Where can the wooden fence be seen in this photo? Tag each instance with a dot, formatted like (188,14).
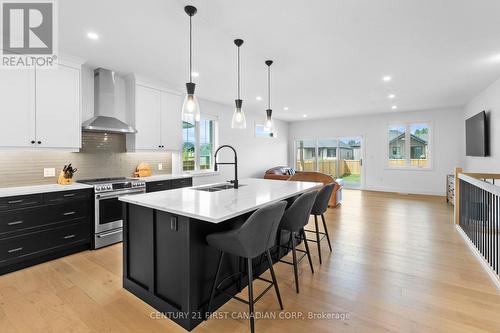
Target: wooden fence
(421,163)
(329,167)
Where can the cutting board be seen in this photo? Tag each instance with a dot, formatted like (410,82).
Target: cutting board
(143,170)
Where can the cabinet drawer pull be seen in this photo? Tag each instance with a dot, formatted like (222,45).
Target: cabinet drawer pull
(69,236)
(15,201)
(16,250)
(161,184)
(15,222)
(69,213)
(69,195)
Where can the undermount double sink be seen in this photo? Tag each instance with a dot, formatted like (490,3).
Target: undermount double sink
(216,188)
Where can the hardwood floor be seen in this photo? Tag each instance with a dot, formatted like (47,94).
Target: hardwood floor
(398,265)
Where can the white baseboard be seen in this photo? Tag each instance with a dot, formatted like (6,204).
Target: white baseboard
(493,275)
(403,191)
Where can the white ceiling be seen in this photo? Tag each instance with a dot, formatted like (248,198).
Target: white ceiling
(330,55)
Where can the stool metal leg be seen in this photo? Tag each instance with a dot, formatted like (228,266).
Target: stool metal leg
(275,281)
(318,240)
(250,296)
(295,268)
(326,232)
(214,286)
(303,234)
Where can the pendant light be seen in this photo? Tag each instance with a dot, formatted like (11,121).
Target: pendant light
(239,121)
(269,124)
(190,107)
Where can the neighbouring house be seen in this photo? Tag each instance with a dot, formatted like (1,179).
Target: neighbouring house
(418,145)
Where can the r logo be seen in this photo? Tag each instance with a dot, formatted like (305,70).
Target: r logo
(27,28)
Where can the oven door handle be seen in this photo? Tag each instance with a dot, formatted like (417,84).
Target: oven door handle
(109,233)
(119,194)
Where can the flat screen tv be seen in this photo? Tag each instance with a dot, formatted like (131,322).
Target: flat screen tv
(476,135)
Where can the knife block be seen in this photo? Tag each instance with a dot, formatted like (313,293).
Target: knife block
(63,180)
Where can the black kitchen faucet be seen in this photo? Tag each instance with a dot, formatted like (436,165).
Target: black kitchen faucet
(235,163)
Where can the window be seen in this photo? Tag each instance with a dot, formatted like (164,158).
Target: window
(260,132)
(306,155)
(413,138)
(199,141)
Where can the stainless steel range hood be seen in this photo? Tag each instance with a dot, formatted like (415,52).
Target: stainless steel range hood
(104,106)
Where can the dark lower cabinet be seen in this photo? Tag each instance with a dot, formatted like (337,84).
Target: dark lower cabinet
(42,227)
(171,184)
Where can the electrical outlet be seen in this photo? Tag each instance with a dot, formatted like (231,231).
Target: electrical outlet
(49,172)
(160,166)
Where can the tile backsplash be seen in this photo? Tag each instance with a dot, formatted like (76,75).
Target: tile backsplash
(102,155)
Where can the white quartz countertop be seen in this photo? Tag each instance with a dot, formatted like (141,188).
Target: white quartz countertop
(219,206)
(25,190)
(155,178)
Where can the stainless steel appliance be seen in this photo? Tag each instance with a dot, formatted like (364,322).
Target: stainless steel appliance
(108,216)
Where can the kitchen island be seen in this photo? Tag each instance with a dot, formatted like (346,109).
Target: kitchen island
(166,260)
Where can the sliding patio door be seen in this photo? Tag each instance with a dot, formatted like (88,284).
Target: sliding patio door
(340,157)
(350,161)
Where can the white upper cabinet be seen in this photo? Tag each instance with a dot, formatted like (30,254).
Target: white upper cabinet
(58,122)
(171,121)
(147,118)
(41,108)
(156,115)
(17,108)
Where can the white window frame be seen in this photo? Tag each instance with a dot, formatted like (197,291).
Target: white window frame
(197,136)
(430,146)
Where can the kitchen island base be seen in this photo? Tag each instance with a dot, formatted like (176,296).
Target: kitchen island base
(168,264)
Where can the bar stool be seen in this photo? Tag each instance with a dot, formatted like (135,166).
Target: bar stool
(294,220)
(319,208)
(254,238)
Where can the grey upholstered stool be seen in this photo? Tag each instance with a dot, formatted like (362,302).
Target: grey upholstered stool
(294,220)
(319,208)
(254,238)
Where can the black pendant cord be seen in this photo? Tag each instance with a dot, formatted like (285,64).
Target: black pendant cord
(190,49)
(269,87)
(238,72)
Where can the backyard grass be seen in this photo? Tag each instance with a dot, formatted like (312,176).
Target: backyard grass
(352,178)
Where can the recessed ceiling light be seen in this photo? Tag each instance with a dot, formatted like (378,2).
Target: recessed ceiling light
(304,116)
(258,98)
(386,78)
(394,107)
(285,108)
(92,35)
(391,96)
(195,74)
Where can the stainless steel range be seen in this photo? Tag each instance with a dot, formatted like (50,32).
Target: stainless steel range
(108,219)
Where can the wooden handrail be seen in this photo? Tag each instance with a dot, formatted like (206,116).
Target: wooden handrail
(480,175)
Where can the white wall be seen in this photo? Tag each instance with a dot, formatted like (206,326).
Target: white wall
(255,155)
(489,101)
(446,147)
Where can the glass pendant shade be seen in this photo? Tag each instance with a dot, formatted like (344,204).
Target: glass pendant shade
(191,108)
(239,120)
(269,123)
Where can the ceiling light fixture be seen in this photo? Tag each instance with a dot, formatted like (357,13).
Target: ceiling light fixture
(269,124)
(386,78)
(394,107)
(190,107)
(195,74)
(258,98)
(391,96)
(285,108)
(92,35)
(304,116)
(239,121)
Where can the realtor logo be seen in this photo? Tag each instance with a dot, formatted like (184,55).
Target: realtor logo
(28,33)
